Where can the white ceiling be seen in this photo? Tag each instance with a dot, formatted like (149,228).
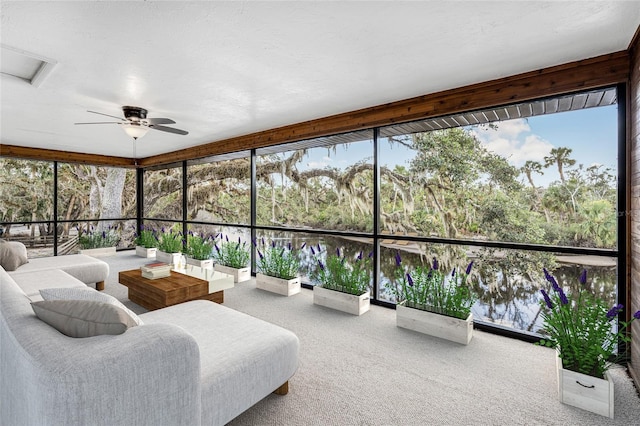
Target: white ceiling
(224,69)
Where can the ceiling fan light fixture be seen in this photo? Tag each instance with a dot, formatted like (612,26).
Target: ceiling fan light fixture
(136,131)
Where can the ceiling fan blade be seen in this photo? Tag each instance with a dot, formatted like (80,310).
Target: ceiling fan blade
(102,122)
(112,116)
(169,129)
(160,121)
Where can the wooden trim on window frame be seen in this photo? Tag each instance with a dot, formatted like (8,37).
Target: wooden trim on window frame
(64,156)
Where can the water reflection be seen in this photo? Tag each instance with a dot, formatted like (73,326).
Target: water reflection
(507,284)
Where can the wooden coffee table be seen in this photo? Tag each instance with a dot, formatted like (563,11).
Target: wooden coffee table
(163,292)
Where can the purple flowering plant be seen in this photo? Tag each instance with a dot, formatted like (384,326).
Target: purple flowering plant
(199,246)
(434,289)
(278,260)
(231,253)
(339,272)
(582,328)
(146,238)
(97,238)
(170,240)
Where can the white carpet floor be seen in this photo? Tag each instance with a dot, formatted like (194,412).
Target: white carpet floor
(366,371)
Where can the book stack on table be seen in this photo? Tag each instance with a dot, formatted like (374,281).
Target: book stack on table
(155,270)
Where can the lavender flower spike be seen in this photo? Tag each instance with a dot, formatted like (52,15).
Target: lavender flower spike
(398,259)
(453,273)
(313,252)
(614,311)
(563,297)
(435,264)
(338,251)
(552,280)
(469,266)
(320,264)
(547,299)
(583,277)
(303,245)
(637,315)
(410,280)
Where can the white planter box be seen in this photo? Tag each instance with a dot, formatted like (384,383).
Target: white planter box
(146,252)
(239,275)
(345,302)
(586,392)
(205,264)
(170,258)
(99,252)
(278,285)
(433,324)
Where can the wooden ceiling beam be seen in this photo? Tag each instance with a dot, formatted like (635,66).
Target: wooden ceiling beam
(64,156)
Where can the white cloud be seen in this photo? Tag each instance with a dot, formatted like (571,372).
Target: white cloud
(507,141)
(508,129)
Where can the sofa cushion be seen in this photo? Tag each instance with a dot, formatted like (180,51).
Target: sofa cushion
(243,359)
(32,282)
(13,254)
(86,293)
(87,269)
(83,318)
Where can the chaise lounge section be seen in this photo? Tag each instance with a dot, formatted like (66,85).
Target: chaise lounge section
(85,268)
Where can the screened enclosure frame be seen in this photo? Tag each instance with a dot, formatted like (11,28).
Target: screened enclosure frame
(620,254)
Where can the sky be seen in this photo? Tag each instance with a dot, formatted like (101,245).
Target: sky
(590,133)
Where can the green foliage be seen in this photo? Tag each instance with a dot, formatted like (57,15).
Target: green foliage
(433,290)
(230,253)
(278,261)
(582,328)
(353,277)
(170,241)
(146,238)
(199,247)
(97,239)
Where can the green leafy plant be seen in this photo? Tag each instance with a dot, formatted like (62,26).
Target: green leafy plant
(230,253)
(93,238)
(434,290)
(278,261)
(146,238)
(351,276)
(170,241)
(199,247)
(582,328)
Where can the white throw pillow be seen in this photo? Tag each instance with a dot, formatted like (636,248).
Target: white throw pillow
(83,318)
(82,293)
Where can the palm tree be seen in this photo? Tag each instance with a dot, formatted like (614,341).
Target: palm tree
(529,168)
(534,167)
(559,156)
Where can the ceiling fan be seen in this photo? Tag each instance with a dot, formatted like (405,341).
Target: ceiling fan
(136,124)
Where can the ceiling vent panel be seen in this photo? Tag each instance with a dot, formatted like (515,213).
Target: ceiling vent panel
(26,66)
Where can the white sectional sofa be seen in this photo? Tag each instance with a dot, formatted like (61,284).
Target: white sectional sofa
(189,364)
